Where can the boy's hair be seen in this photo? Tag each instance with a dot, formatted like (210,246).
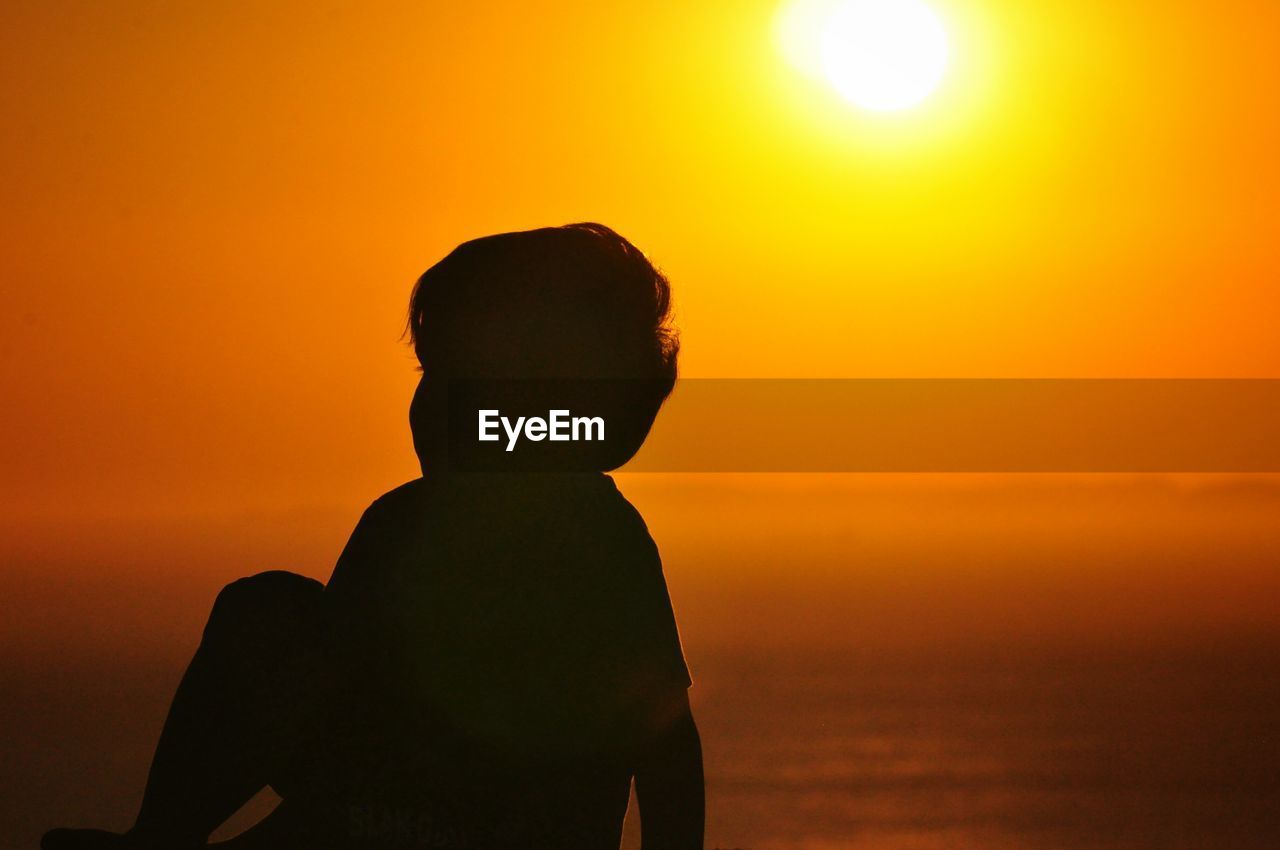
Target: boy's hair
(576,303)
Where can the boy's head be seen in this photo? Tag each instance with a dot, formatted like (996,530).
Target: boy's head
(577,303)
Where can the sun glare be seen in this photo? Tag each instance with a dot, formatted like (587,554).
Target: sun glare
(882,55)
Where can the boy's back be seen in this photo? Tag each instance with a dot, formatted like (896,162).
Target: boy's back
(507,645)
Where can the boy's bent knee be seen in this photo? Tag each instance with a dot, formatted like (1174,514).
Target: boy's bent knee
(272,586)
(274,599)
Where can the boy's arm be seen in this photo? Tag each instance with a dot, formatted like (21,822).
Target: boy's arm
(669,788)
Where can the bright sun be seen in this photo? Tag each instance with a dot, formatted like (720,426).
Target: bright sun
(882,55)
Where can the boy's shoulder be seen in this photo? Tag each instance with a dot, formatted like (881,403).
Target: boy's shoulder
(399,501)
(407,492)
(593,500)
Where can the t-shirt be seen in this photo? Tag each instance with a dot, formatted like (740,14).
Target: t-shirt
(507,646)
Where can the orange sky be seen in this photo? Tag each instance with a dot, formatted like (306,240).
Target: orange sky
(213,213)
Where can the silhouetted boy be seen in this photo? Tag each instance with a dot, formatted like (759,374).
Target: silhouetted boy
(495,656)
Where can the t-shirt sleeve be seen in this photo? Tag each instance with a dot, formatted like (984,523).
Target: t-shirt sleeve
(360,576)
(656,653)
(358,595)
(666,648)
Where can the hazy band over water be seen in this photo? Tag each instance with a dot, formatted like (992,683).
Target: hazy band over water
(888,425)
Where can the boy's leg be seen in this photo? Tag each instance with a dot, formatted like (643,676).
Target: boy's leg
(245,714)
(246,710)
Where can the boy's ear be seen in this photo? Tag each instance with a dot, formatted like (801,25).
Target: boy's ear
(428,422)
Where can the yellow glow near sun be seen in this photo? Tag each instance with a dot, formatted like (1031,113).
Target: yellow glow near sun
(882,55)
